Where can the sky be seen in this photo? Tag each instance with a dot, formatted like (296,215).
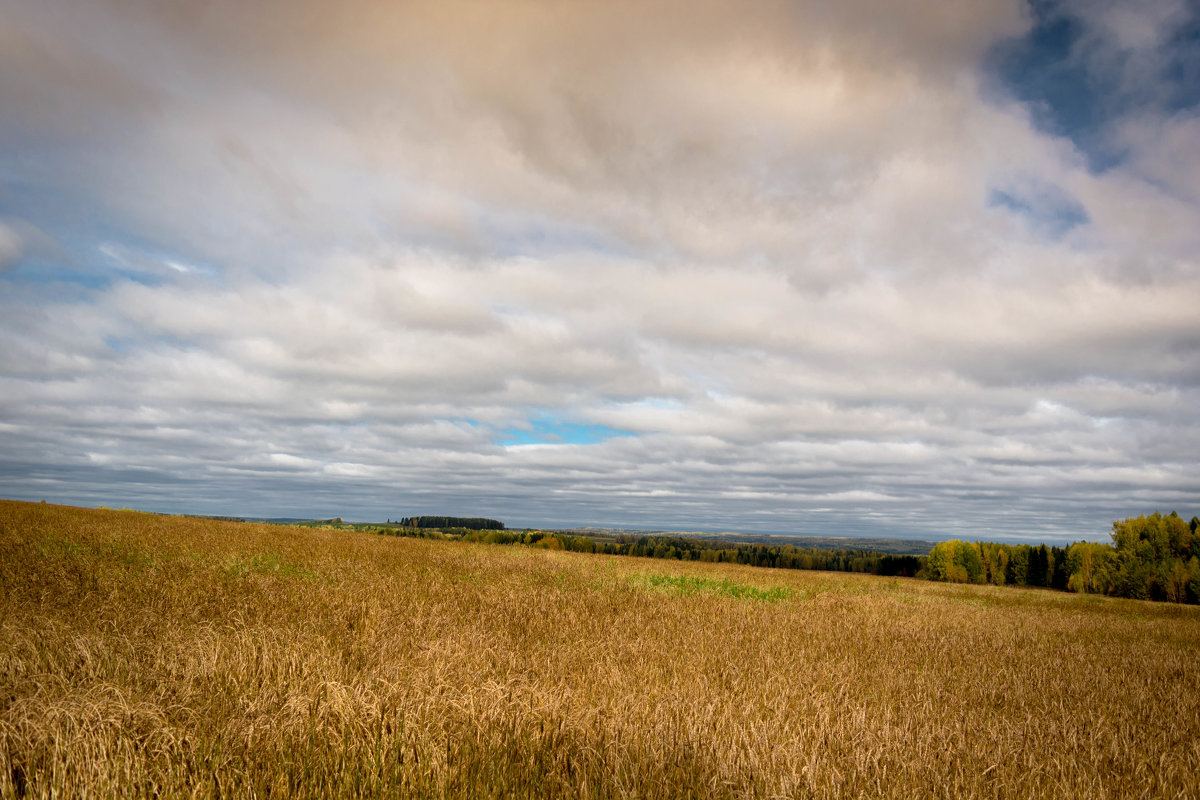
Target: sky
(924,268)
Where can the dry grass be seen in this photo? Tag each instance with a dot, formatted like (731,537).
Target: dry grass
(144,655)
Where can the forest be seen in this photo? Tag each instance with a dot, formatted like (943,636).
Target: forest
(1151,557)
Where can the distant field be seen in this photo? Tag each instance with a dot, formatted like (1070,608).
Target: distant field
(145,655)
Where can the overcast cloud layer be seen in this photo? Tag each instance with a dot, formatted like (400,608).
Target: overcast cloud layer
(920,268)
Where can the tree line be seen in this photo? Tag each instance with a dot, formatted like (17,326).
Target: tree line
(465,523)
(684,548)
(681,548)
(1153,557)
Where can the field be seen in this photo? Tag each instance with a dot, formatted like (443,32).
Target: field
(144,655)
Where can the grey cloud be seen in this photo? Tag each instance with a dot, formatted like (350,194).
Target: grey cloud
(48,82)
(11,247)
(1167,151)
(512,130)
(1132,47)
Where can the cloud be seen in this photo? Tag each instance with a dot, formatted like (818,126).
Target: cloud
(690,265)
(11,247)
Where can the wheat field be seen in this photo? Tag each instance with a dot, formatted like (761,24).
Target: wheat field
(154,656)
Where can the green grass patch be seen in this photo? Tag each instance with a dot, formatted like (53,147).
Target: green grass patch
(265,564)
(723,587)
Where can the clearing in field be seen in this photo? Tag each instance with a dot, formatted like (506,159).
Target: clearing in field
(143,655)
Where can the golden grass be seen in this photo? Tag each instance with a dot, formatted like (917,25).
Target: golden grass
(143,655)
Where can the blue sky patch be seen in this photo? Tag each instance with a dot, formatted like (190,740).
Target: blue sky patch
(1077,81)
(549,429)
(40,271)
(1045,70)
(1048,210)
